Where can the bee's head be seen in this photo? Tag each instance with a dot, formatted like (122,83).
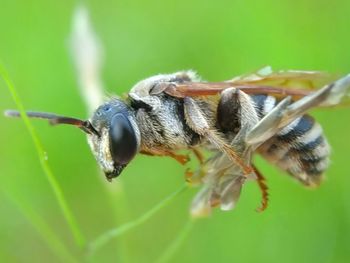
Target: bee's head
(113,134)
(117,139)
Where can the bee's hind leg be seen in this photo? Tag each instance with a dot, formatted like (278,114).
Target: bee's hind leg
(269,125)
(236,109)
(197,122)
(264,190)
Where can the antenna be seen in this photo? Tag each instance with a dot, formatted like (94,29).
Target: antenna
(54,119)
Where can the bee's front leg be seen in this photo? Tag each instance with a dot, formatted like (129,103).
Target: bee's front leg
(182,159)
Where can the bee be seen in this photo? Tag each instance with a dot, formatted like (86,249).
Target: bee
(263,113)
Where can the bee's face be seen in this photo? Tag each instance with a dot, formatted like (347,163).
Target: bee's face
(119,137)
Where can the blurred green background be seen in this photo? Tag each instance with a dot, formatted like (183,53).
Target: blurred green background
(219,39)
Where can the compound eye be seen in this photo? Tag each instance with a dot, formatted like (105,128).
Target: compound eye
(122,139)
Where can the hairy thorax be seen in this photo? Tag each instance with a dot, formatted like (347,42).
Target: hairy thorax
(164,126)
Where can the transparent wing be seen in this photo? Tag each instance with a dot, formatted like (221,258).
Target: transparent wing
(223,181)
(291,79)
(280,84)
(296,80)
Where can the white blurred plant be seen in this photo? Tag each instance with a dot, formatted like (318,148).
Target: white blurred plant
(87,53)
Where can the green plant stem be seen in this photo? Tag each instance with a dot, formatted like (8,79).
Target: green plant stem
(68,215)
(118,231)
(176,244)
(44,230)
(121,214)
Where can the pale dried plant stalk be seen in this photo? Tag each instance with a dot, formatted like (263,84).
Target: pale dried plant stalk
(87,53)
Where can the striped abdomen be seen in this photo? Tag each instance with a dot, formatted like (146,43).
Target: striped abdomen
(300,148)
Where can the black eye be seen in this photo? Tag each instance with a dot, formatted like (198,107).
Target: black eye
(122,139)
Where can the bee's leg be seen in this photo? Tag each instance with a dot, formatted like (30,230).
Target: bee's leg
(198,123)
(182,159)
(237,109)
(269,125)
(237,113)
(264,190)
(198,155)
(189,173)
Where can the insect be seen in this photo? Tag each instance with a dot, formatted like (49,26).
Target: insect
(261,113)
